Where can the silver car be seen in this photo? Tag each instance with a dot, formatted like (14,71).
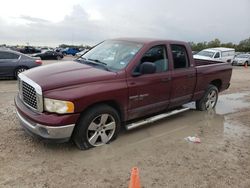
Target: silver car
(12,63)
(242,59)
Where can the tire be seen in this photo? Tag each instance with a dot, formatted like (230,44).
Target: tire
(209,99)
(97,126)
(19,70)
(248,63)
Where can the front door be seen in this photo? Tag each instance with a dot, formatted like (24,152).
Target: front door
(150,93)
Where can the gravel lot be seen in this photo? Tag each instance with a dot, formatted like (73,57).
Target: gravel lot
(159,150)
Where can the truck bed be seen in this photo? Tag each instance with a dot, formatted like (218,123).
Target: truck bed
(202,62)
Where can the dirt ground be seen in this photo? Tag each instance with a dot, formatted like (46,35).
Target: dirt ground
(159,150)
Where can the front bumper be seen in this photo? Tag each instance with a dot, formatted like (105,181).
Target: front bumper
(51,127)
(62,133)
(238,62)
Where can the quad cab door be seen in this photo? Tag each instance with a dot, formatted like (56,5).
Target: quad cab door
(150,93)
(183,76)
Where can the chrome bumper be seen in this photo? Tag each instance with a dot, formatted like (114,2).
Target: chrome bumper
(47,132)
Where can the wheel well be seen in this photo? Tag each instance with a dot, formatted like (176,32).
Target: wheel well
(217,83)
(111,103)
(21,66)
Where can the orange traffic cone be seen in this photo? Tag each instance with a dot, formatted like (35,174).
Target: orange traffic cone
(134,178)
(245,65)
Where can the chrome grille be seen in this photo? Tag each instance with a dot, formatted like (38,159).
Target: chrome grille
(29,95)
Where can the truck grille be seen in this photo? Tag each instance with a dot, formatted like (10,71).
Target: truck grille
(29,95)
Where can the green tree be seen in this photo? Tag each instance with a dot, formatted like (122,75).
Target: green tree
(214,43)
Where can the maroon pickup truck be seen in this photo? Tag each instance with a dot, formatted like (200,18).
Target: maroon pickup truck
(120,82)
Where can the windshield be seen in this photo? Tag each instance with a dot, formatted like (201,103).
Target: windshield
(206,53)
(115,55)
(243,56)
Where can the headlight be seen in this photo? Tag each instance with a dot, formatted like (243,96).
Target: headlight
(58,106)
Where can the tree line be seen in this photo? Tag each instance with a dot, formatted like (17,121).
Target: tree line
(243,46)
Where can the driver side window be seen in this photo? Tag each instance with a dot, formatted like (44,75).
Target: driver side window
(217,55)
(158,56)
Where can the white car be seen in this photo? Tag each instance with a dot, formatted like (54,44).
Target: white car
(241,59)
(219,54)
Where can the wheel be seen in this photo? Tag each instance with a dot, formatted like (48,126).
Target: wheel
(248,63)
(209,99)
(58,57)
(97,126)
(19,70)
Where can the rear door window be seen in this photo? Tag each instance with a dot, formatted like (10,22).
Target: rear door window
(8,55)
(180,56)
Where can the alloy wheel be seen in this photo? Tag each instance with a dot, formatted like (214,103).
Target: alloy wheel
(211,100)
(101,130)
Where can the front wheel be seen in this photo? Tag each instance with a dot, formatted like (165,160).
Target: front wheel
(97,126)
(209,99)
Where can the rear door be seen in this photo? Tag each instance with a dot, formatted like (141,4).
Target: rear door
(183,76)
(8,63)
(150,93)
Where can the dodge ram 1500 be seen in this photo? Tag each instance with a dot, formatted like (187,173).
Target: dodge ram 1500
(119,82)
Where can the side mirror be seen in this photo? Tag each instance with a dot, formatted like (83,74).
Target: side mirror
(147,68)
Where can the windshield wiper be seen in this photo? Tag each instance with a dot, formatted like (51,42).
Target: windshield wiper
(97,61)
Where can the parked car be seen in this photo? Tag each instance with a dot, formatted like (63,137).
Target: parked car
(48,55)
(13,63)
(219,54)
(81,52)
(29,50)
(70,51)
(44,49)
(242,59)
(117,83)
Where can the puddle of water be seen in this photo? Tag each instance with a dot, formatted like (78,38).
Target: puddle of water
(228,103)
(232,103)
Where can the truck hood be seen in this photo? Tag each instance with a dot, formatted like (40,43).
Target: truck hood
(68,73)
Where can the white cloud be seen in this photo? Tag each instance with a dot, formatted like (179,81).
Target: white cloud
(90,21)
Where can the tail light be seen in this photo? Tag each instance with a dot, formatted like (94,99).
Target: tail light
(38,61)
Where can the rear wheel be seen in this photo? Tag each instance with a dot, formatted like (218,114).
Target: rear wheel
(96,127)
(20,70)
(209,99)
